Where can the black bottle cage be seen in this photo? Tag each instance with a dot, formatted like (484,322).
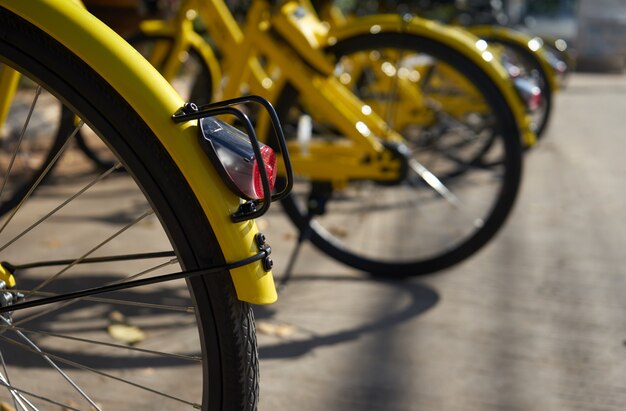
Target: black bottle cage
(252,208)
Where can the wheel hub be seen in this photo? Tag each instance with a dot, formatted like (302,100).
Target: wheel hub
(7,282)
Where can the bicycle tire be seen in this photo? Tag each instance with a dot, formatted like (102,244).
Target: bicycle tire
(221,325)
(368,250)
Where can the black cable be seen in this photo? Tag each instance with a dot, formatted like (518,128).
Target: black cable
(136,283)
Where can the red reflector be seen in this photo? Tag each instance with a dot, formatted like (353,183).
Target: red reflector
(529,92)
(534,102)
(269,158)
(233,156)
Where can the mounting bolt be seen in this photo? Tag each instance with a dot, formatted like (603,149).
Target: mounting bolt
(190,108)
(248,207)
(268,263)
(260,240)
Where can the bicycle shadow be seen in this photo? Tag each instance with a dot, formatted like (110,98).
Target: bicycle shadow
(421,299)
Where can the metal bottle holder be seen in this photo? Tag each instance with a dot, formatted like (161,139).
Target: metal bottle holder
(251,208)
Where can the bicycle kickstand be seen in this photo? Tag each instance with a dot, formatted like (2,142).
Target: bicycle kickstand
(318,198)
(302,237)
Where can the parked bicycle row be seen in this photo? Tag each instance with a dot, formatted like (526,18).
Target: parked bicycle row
(394,143)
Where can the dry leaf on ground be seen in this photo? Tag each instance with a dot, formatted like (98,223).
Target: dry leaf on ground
(4,406)
(122,331)
(277,330)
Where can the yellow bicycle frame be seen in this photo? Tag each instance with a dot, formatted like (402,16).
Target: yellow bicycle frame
(305,67)
(155,101)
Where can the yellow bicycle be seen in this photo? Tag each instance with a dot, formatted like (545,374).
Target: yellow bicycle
(124,290)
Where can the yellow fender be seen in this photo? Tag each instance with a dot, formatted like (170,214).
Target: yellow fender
(465,43)
(522,40)
(155,101)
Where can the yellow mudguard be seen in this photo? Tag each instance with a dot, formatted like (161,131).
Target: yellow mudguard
(155,101)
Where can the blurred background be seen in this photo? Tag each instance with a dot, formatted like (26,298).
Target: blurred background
(594,30)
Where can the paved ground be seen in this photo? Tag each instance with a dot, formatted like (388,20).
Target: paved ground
(536,321)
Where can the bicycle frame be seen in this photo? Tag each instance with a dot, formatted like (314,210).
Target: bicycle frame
(310,72)
(155,101)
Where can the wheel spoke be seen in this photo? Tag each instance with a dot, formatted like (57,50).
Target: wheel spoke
(18,399)
(91,251)
(39,397)
(35,349)
(64,304)
(112,301)
(47,355)
(41,177)
(59,207)
(20,139)
(434,182)
(106,344)
(393,92)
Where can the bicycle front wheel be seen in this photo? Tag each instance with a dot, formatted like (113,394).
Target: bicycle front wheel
(181,344)
(460,131)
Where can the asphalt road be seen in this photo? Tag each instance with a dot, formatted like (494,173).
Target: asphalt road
(535,321)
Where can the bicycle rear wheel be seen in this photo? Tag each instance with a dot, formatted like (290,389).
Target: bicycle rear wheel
(165,346)
(458,126)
